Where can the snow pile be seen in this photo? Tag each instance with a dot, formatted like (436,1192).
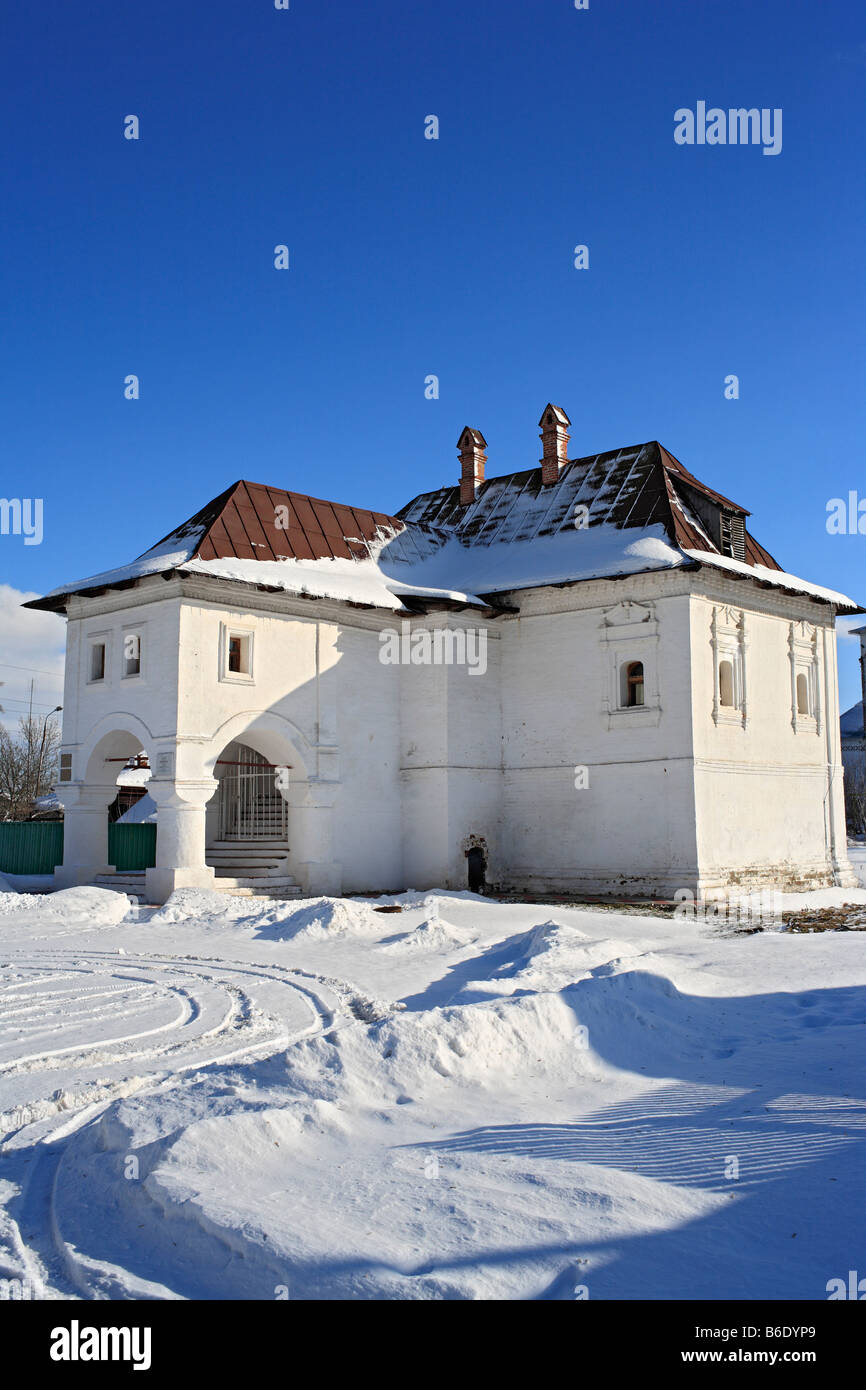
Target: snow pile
(323,919)
(303,920)
(460,1100)
(434,933)
(485,1045)
(549,939)
(97,907)
(204,907)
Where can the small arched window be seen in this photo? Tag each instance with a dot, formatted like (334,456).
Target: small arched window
(634,689)
(726,683)
(802,693)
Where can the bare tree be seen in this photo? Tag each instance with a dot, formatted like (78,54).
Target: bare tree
(28,765)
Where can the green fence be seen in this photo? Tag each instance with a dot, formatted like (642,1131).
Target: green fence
(36,846)
(30,846)
(132,846)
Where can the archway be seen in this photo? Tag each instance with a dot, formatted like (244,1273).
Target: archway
(89,791)
(248,806)
(280,762)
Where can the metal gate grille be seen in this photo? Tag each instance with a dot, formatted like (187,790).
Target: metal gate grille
(250,807)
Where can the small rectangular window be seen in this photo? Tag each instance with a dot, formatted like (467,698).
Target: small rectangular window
(66,767)
(97,661)
(131,654)
(238,653)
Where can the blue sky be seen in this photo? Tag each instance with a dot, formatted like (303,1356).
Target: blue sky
(412,256)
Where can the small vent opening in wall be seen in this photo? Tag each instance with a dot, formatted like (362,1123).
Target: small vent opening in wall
(733,536)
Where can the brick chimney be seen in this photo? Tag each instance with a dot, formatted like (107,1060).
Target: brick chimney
(554,442)
(471,446)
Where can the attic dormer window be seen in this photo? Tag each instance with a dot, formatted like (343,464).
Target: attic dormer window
(732,536)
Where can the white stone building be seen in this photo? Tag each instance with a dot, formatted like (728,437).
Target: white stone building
(638,699)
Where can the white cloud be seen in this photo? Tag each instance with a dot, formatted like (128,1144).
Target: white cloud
(32,647)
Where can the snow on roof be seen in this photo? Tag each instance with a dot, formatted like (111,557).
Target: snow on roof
(387,577)
(134,777)
(616,513)
(352,581)
(779,579)
(596,552)
(154,561)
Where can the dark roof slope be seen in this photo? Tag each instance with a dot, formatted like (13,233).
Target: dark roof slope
(637,486)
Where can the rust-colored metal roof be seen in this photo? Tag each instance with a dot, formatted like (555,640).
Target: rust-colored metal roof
(252,521)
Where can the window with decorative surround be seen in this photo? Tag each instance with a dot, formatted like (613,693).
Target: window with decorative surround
(630,635)
(805,686)
(729,666)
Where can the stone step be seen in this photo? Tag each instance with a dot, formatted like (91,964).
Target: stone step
(274,893)
(239,856)
(130,882)
(230,855)
(223,882)
(256,871)
(256,846)
(254,866)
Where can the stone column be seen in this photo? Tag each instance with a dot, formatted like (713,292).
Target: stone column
(180,836)
(311,837)
(85,832)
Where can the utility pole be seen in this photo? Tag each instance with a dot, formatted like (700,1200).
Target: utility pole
(56,710)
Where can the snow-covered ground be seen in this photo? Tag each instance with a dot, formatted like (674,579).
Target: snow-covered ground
(227,1098)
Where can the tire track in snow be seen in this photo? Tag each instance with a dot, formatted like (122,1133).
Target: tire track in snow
(245,1010)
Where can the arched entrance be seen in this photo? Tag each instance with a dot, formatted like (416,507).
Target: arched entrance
(272,811)
(247,823)
(249,805)
(87,792)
